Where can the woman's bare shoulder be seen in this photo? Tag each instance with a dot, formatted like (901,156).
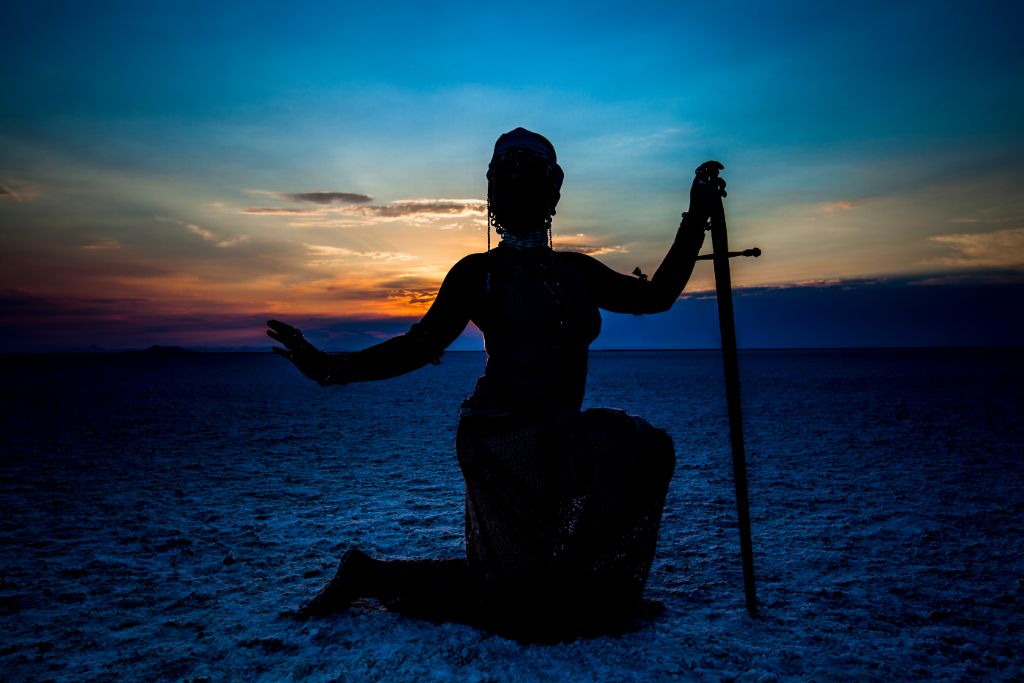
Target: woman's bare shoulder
(579,260)
(469,267)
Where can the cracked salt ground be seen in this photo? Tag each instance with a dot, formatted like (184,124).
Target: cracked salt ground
(159,514)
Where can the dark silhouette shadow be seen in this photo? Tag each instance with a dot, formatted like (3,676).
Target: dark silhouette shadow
(562,505)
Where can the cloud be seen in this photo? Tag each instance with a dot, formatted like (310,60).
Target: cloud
(841,205)
(209,236)
(405,208)
(995,277)
(951,311)
(324,255)
(101,244)
(415,210)
(36,323)
(600,251)
(646,140)
(1001,248)
(217,241)
(326,197)
(316,197)
(586,244)
(988,221)
(415,297)
(22,195)
(279,211)
(411,289)
(887,312)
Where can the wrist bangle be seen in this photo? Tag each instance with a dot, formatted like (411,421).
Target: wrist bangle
(326,379)
(332,373)
(688,222)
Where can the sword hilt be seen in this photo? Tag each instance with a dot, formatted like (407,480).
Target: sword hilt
(755,252)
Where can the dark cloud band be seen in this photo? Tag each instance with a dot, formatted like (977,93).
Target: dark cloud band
(326,197)
(414,208)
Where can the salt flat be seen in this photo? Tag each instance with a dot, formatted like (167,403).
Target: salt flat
(160,514)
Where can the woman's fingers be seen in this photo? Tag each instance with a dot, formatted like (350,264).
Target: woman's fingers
(710,168)
(282,352)
(707,177)
(289,336)
(283,330)
(289,342)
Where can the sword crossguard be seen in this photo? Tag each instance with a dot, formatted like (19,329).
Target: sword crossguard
(755,252)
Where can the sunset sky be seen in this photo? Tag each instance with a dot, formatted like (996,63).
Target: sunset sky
(177,172)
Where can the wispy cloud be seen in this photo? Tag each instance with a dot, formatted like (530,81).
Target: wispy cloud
(20,195)
(217,240)
(1002,248)
(587,244)
(647,139)
(208,235)
(323,255)
(101,244)
(990,220)
(841,205)
(412,289)
(281,211)
(317,197)
(415,210)
(327,197)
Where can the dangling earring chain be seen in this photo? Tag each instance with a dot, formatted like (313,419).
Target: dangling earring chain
(487,286)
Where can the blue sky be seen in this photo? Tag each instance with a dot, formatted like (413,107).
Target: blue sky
(155,154)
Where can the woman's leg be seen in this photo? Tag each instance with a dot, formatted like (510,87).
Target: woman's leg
(439,589)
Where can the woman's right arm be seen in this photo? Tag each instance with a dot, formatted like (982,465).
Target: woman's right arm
(422,344)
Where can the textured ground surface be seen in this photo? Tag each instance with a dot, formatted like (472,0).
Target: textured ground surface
(159,513)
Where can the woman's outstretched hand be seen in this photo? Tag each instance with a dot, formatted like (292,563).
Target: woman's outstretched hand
(311,361)
(706,192)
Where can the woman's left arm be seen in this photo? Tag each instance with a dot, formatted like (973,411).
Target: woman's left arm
(620,293)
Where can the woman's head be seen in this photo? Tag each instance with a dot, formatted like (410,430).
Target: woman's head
(523,182)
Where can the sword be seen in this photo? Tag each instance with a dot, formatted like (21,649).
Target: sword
(727,326)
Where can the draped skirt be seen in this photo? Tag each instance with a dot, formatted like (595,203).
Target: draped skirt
(562,510)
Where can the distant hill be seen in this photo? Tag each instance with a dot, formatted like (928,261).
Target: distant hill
(164,350)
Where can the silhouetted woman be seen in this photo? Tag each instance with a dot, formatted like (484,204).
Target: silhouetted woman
(562,506)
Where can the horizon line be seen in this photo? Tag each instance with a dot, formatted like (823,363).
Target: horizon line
(173,350)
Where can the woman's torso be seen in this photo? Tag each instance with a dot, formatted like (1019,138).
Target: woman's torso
(538,319)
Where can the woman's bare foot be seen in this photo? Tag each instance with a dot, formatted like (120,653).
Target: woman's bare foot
(340,591)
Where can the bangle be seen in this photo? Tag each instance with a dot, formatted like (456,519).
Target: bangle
(331,374)
(687,221)
(326,379)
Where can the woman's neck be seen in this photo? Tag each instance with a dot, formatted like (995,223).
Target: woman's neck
(529,240)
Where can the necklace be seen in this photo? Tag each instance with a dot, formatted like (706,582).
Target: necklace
(530,240)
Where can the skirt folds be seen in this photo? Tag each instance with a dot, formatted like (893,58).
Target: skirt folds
(562,509)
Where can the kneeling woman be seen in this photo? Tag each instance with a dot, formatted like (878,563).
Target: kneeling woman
(562,506)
